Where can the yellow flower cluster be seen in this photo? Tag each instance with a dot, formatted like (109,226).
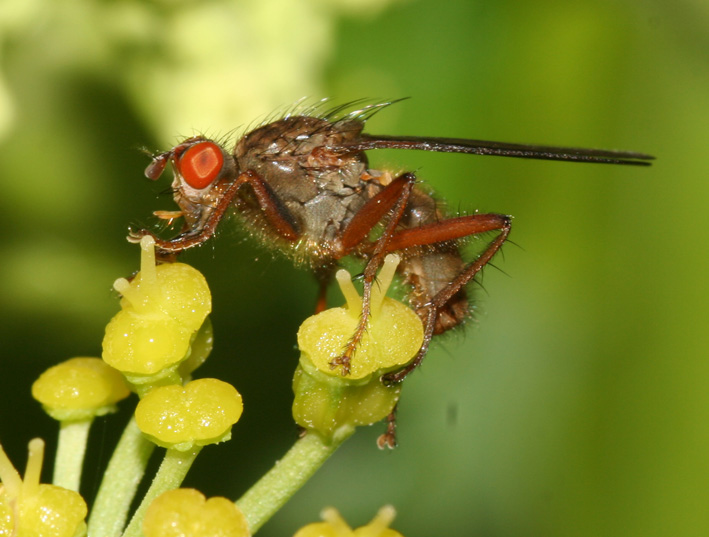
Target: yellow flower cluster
(155,342)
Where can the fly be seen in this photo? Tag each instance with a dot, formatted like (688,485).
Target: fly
(303,184)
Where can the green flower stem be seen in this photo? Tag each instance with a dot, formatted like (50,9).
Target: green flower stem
(288,475)
(122,477)
(170,475)
(70,453)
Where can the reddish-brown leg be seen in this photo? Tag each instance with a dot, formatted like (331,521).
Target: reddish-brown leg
(275,213)
(388,439)
(321,304)
(392,199)
(324,275)
(450,229)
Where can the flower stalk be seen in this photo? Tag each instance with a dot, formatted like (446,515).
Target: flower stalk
(71,449)
(170,476)
(120,482)
(289,475)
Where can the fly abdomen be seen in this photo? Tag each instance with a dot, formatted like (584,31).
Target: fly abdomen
(429,273)
(428,270)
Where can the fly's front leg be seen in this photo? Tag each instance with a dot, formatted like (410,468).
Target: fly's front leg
(392,199)
(275,213)
(451,229)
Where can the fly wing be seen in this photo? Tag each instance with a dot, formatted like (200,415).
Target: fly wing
(366,142)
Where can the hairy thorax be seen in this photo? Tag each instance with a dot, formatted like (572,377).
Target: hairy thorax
(321,190)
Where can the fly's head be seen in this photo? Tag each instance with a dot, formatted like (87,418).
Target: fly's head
(202,171)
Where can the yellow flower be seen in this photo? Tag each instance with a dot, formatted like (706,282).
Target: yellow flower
(31,509)
(200,413)
(335,526)
(325,400)
(187,513)
(79,388)
(393,337)
(163,309)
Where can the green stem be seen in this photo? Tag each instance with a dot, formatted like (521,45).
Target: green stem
(170,476)
(70,453)
(288,475)
(121,480)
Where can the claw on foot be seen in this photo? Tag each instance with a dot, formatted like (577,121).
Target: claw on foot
(344,362)
(388,439)
(135,236)
(386,442)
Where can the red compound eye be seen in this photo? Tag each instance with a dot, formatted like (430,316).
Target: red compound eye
(201,164)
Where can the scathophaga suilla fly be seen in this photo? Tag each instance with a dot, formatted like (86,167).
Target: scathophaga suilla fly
(303,183)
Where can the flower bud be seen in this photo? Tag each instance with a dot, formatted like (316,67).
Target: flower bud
(162,310)
(200,413)
(80,388)
(187,513)
(335,526)
(28,508)
(393,336)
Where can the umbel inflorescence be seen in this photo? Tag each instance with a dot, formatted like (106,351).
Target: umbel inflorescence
(152,348)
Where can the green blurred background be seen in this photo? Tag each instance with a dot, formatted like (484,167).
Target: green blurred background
(575,402)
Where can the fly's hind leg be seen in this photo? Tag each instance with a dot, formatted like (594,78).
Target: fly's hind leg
(446,230)
(392,200)
(388,439)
